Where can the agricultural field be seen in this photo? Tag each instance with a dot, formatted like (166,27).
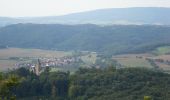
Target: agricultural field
(133,60)
(18,52)
(140,60)
(7,56)
(5,64)
(11,56)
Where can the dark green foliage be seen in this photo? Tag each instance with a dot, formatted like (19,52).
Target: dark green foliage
(42,86)
(109,40)
(8,84)
(120,84)
(147,98)
(94,84)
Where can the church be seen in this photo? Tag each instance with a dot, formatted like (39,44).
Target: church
(37,69)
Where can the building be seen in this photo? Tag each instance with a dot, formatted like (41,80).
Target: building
(36,68)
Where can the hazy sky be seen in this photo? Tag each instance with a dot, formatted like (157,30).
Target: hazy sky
(20,8)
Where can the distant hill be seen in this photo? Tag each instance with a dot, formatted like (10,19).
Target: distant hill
(7,21)
(2,47)
(125,16)
(113,39)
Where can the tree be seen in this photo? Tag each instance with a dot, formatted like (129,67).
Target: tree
(7,85)
(147,98)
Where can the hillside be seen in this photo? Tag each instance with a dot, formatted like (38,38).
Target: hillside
(115,39)
(7,21)
(125,16)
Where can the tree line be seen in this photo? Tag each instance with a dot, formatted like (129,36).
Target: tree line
(86,84)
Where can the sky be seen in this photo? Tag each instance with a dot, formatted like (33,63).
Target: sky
(35,8)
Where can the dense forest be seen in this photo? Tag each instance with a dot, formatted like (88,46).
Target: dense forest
(86,84)
(114,39)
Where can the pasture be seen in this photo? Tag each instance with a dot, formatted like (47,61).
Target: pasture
(139,60)
(133,60)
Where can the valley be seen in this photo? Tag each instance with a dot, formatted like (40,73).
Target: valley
(84,50)
(70,60)
(58,60)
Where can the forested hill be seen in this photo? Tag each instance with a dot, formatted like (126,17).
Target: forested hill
(113,39)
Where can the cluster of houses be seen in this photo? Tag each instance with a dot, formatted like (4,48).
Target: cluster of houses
(53,62)
(38,65)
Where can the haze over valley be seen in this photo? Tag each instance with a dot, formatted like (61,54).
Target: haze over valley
(85,50)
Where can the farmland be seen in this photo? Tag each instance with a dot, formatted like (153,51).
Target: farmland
(141,60)
(18,52)
(11,56)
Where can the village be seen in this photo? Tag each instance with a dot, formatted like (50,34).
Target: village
(38,64)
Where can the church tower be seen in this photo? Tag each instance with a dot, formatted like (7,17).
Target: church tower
(38,67)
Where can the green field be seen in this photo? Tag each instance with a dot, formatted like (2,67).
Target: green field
(162,50)
(133,62)
(139,60)
(90,58)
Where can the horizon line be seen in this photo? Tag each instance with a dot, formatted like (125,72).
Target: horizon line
(34,16)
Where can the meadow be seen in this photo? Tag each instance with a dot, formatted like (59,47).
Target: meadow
(140,60)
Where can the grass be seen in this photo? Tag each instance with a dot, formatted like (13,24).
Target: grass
(90,58)
(65,69)
(5,64)
(56,69)
(162,50)
(133,62)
